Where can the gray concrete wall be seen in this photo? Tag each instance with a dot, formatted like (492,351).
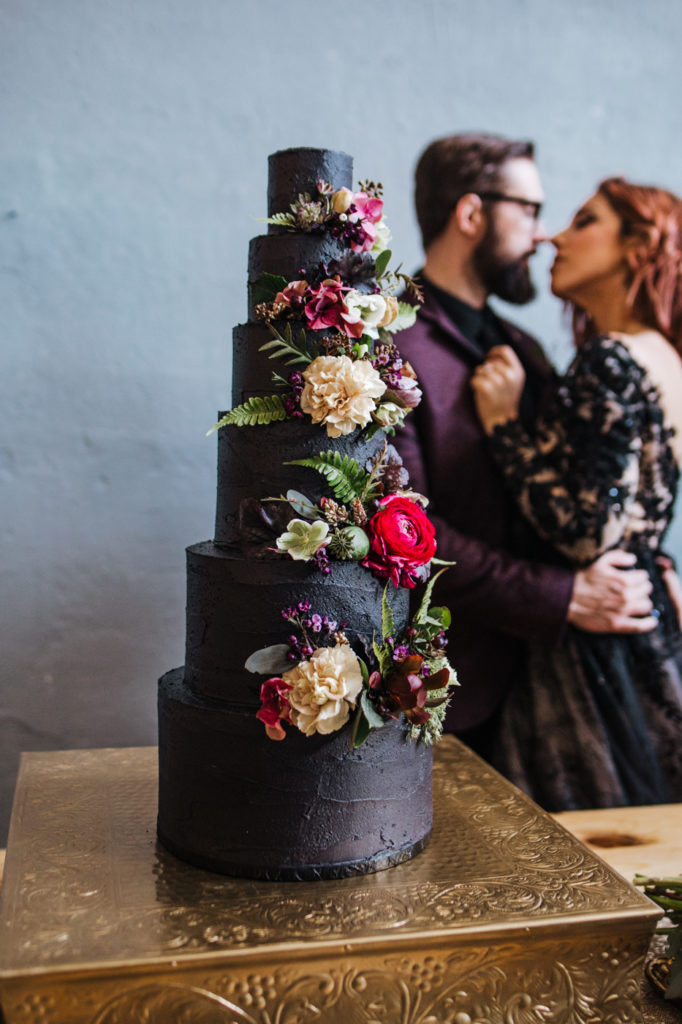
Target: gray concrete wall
(132,165)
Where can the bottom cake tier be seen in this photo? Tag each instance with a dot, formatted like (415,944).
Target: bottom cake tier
(304,808)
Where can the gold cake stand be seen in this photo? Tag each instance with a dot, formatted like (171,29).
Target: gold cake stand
(504,919)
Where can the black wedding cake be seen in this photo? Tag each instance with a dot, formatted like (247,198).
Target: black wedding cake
(323,769)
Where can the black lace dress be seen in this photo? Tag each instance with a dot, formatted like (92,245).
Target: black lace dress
(597,720)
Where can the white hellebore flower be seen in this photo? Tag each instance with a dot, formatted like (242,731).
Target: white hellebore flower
(340,393)
(301,539)
(389,414)
(371,309)
(383,237)
(324,689)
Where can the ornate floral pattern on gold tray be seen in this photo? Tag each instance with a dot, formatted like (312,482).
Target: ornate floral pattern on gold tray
(504,919)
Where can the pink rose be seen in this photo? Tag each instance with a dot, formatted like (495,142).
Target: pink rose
(368,211)
(401,540)
(369,207)
(327,309)
(275,707)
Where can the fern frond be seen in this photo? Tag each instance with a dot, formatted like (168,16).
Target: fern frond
(253,412)
(284,347)
(387,619)
(281,220)
(346,477)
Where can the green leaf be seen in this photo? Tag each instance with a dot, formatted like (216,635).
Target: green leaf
(360,730)
(371,714)
(347,479)
(302,505)
(269,660)
(284,347)
(407,315)
(422,612)
(383,657)
(266,287)
(374,427)
(366,719)
(441,616)
(381,262)
(253,412)
(387,619)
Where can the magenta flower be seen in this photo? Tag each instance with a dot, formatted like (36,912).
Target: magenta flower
(368,212)
(402,539)
(326,308)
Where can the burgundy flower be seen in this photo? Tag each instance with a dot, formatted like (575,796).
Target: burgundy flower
(404,690)
(275,707)
(326,308)
(401,540)
(293,295)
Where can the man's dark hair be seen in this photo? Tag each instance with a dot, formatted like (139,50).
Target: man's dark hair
(450,167)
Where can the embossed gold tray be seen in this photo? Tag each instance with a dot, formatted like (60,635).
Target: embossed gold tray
(504,919)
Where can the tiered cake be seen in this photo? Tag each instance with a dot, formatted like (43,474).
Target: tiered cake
(316,804)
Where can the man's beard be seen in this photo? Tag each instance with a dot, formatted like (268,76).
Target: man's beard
(508,279)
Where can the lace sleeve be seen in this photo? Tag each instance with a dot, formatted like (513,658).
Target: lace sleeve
(576,480)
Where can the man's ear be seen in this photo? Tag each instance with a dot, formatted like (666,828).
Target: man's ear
(469,215)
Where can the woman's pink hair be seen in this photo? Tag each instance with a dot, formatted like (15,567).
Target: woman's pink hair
(653,217)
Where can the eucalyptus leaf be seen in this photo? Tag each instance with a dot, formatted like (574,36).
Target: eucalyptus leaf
(371,714)
(302,506)
(382,261)
(269,660)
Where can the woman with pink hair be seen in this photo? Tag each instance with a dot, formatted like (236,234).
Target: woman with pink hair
(597,721)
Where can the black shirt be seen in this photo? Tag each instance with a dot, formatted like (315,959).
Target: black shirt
(479,325)
(485,329)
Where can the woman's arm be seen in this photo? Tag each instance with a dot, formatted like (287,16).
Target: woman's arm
(576,480)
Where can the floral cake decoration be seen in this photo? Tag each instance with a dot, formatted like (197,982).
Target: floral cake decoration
(321,681)
(352,376)
(373,518)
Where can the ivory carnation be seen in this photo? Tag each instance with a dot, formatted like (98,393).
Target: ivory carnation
(324,689)
(341,392)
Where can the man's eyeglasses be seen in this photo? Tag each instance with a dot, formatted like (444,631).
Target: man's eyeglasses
(530,208)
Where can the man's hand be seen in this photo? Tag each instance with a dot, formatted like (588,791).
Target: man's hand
(497,384)
(612,597)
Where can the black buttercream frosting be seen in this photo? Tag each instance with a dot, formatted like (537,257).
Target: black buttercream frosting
(230,798)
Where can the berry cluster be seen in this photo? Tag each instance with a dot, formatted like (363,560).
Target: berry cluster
(313,631)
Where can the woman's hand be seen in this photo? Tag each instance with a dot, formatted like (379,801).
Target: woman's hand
(497,385)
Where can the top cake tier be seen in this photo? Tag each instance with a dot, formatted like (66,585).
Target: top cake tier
(294,255)
(291,171)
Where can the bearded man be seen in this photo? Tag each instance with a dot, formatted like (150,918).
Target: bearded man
(478,200)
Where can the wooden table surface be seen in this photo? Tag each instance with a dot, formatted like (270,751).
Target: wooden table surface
(633,840)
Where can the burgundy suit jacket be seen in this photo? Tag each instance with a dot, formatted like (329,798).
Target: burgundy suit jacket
(501,591)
